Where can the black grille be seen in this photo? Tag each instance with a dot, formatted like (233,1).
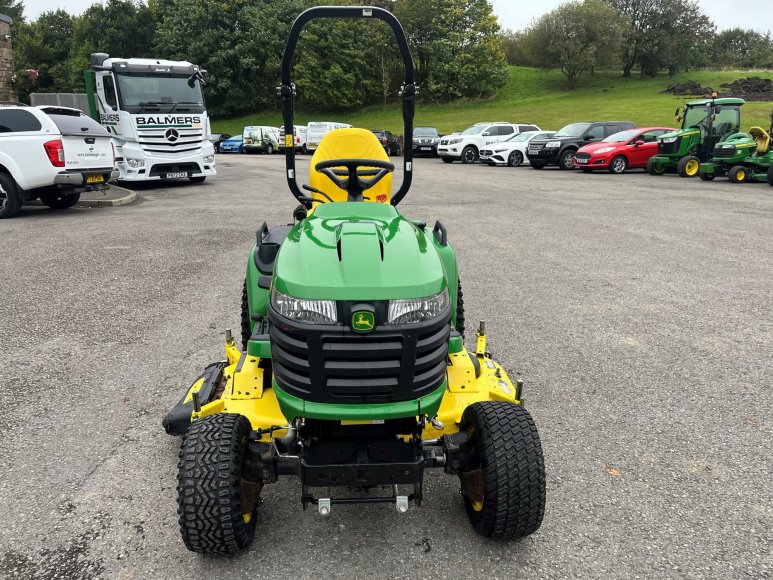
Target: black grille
(722,152)
(668,148)
(337,365)
(582,155)
(164,168)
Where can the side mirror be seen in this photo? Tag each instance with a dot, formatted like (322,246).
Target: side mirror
(590,137)
(676,113)
(639,143)
(486,134)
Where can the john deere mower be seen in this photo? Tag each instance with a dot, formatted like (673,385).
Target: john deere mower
(353,375)
(758,165)
(706,123)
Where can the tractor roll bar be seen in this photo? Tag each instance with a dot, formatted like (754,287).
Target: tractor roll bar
(287,89)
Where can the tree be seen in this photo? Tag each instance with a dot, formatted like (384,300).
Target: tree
(640,18)
(739,48)
(576,37)
(14,9)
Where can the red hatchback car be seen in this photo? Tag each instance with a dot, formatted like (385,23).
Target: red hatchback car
(624,150)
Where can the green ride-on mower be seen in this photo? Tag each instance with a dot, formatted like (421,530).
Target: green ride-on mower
(705,124)
(758,166)
(353,374)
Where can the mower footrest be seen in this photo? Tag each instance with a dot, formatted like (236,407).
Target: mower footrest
(359,474)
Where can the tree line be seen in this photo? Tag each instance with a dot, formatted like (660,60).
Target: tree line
(649,36)
(341,65)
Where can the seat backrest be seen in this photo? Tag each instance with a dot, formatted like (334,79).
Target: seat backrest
(762,138)
(350,144)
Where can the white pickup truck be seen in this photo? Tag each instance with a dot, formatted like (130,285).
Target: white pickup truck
(51,153)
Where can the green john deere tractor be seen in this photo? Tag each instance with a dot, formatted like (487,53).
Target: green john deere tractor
(758,165)
(353,375)
(705,124)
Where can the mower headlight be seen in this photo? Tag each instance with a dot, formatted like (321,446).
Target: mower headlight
(454,141)
(553,144)
(303,310)
(415,310)
(669,140)
(604,150)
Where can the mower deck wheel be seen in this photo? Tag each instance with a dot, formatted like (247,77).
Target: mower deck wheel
(505,496)
(211,502)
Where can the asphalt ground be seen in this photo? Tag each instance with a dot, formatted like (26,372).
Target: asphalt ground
(638,310)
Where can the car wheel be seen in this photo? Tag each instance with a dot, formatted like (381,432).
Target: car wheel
(515,159)
(10,204)
(469,154)
(618,165)
(567,159)
(688,166)
(447,159)
(269,149)
(57,200)
(304,150)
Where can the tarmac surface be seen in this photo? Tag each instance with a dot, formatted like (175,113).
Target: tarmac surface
(638,310)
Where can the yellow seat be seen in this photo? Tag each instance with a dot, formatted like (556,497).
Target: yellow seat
(350,144)
(762,138)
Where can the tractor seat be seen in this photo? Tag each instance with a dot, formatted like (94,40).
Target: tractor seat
(350,144)
(762,138)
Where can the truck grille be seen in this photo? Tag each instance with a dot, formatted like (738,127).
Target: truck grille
(668,148)
(341,366)
(181,141)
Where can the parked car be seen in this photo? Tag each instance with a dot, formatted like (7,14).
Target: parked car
(513,151)
(300,137)
(425,141)
(466,146)
(233,145)
(51,153)
(389,141)
(624,150)
(316,130)
(261,139)
(217,138)
(561,147)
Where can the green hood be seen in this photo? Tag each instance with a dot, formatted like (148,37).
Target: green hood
(358,251)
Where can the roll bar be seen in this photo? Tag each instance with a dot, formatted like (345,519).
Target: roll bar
(408,90)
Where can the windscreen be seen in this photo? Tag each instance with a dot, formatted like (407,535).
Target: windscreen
(474,130)
(573,130)
(425,132)
(157,93)
(622,136)
(726,121)
(521,136)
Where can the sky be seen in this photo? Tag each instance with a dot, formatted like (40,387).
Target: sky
(517,14)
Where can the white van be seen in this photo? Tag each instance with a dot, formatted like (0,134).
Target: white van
(300,138)
(261,138)
(317,130)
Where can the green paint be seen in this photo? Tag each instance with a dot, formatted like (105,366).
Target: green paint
(259,348)
(90,78)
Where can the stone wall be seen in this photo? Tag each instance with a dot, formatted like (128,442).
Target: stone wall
(6,60)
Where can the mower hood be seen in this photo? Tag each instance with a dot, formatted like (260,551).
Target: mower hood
(358,251)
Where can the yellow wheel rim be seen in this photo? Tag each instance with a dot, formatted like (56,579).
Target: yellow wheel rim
(741,175)
(247,518)
(692,167)
(477,505)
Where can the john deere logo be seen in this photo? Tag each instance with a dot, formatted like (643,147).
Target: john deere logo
(363,321)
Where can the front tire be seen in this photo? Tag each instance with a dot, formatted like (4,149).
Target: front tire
(738,174)
(688,166)
(507,497)
(57,200)
(655,168)
(469,155)
(618,165)
(214,518)
(566,160)
(269,149)
(515,159)
(10,203)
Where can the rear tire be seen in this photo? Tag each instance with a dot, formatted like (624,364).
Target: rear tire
(688,166)
(57,200)
(512,470)
(469,155)
(10,204)
(447,159)
(566,161)
(198,179)
(655,168)
(209,486)
(246,329)
(618,165)
(269,149)
(738,174)
(515,159)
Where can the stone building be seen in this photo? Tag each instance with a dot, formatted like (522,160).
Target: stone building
(6,60)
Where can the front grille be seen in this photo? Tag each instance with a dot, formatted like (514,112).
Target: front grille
(161,169)
(184,140)
(444,141)
(723,152)
(337,365)
(486,152)
(582,155)
(668,148)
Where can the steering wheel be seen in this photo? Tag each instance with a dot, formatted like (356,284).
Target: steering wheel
(351,180)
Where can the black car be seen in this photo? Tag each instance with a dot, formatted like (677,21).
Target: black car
(425,141)
(389,141)
(561,147)
(217,138)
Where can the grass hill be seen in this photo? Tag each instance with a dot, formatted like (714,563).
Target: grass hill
(540,97)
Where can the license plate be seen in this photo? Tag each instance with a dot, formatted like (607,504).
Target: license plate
(581,161)
(484,157)
(176,174)
(426,148)
(95,179)
(534,151)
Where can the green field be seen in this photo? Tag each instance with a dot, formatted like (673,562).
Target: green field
(537,96)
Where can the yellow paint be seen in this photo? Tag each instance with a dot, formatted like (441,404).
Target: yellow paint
(195,388)
(692,167)
(288,140)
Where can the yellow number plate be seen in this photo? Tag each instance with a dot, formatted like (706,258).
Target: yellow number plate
(95,179)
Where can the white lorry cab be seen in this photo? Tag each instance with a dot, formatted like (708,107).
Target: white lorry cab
(155,113)
(318,129)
